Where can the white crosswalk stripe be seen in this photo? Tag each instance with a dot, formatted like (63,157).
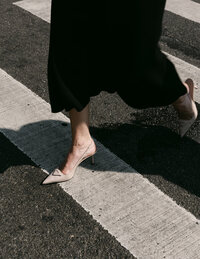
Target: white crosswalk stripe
(37,7)
(186,70)
(131,208)
(185,8)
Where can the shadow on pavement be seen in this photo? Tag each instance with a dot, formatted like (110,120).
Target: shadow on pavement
(155,151)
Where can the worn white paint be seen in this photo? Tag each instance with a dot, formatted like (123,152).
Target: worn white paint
(142,218)
(185,8)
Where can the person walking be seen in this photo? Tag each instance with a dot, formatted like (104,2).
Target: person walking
(109,46)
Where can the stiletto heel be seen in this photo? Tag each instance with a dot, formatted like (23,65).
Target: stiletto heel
(92,160)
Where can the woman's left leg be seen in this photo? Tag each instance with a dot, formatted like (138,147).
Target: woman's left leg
(81,138)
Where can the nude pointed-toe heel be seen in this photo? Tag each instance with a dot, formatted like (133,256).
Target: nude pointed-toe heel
(184,125)
(57,176)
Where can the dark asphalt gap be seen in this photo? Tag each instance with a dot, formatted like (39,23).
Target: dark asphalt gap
(181,38)
(196,1)
(45,222)
(146,140)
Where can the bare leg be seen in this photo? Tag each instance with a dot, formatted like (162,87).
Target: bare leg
(81,138)
(80,126)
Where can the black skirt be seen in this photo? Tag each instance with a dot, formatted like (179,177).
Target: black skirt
(109,46)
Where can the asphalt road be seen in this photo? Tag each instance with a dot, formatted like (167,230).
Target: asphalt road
(38,222)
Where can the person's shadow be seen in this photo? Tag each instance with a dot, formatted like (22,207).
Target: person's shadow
(155,150)
(147,147)
(196,1)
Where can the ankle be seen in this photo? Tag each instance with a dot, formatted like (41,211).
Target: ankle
(81,141)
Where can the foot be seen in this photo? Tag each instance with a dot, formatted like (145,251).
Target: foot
(75,153)
(184,105)
(186,108)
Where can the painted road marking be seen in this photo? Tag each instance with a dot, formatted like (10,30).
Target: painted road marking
(142,218)
(147,222)
(186,8)
(40,8)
